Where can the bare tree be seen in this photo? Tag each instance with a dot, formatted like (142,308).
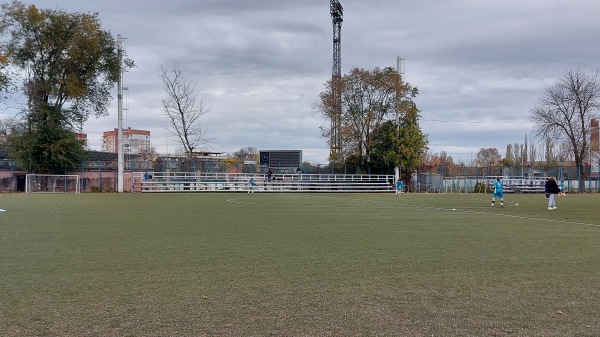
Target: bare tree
(533,153)
(525,152)
(564,152)
(509,152)
(488,156)
(6,125)
(565,113)
(549,150)
(183,109)
(148,153)
(246,153)
(518,159)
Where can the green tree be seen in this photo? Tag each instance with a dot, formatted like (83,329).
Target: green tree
(509,159)
(49,148)
(506,161)
(66,65)
(369,99)
(4,78)
(402,145)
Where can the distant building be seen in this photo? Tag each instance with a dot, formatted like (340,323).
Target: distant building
(134,141)
(82,136)
(203,160)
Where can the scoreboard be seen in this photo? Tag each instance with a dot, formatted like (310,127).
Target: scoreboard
(281,158)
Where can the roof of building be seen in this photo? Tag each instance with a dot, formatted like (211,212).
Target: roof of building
(91,155)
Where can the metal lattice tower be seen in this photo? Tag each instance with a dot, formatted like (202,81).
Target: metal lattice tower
(337,17)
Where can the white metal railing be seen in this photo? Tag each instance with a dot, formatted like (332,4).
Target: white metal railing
(237,182)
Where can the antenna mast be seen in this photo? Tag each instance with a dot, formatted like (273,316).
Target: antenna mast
(337,17)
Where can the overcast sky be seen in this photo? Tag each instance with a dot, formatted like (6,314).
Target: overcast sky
(480,65)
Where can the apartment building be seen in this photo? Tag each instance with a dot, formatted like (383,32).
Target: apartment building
(134,141)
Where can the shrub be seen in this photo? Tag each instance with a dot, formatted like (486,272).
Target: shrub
(479,187)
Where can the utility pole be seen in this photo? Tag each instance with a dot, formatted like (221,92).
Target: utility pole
(121,165)
(337,17)
(400,71)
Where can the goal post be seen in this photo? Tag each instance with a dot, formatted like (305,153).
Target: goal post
(52,183)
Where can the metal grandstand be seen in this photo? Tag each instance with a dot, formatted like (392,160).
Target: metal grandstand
(162,182)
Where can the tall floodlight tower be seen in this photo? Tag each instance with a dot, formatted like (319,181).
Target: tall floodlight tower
(337,17)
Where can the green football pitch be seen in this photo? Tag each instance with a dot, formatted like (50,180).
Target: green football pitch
(270,264)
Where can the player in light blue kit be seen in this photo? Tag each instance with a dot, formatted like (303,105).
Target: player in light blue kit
(251,186)
(399,186)
(498,185)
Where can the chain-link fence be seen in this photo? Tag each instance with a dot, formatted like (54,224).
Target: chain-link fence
(101,175)
(460,178)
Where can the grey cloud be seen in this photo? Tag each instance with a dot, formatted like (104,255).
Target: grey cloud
(261,64)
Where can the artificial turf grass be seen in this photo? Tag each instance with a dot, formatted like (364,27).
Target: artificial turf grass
(294,265)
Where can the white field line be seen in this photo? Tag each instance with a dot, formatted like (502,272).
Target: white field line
(389,204)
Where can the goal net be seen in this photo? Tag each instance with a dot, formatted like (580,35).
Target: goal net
(51,183)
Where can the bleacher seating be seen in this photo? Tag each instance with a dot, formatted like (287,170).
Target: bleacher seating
(223,182)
